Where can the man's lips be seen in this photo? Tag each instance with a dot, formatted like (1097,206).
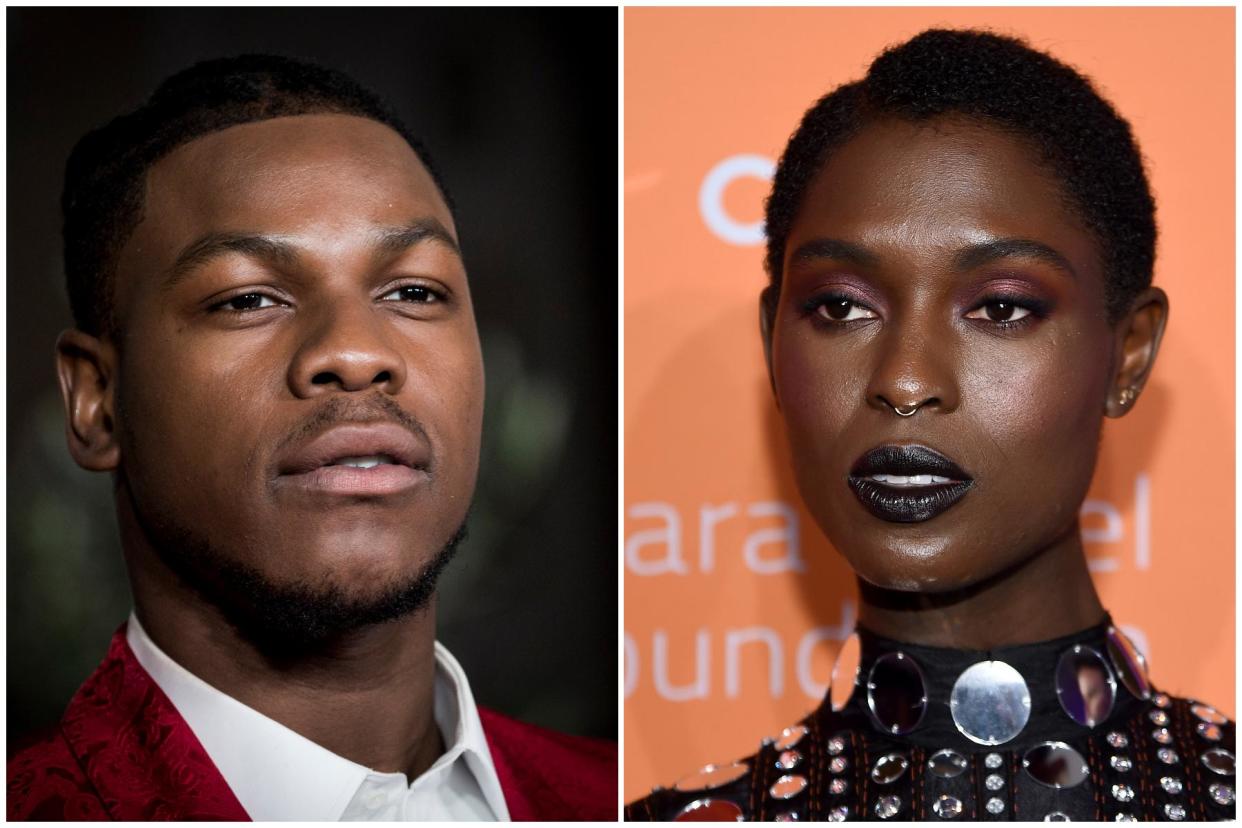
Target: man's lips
(362,459)
(907,484)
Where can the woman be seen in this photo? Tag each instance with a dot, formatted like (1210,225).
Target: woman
(960,251)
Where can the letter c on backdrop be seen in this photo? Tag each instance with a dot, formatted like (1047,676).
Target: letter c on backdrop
(711,198)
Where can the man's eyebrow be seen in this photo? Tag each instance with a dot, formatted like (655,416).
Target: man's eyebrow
(977,255)
(394,240)
(833,249)
(280,251)
(269,248)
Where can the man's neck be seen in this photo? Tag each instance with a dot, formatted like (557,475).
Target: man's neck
(367,696)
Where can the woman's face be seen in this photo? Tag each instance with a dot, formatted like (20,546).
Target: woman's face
(937,265)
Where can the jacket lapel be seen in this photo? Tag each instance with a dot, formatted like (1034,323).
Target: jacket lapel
(138,752)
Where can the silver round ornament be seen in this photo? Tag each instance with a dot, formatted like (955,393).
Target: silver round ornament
(790,737)
(947,764)
(710,810)
(1085,685)
(1218,761)
(788,760)
(889,768)
(990,702)
(787,787)
(995,805)
(887,807)
(1055,764)
(1209,732)
(947,807)
(896,693)
(1209,714)
(1171,784)
(1129,663)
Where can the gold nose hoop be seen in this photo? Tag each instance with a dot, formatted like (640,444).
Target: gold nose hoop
(906,410)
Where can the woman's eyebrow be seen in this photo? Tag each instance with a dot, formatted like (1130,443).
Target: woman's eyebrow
(833,249)
(976,255)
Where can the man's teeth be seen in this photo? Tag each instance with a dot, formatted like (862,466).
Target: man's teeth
(367,462)
(909,480)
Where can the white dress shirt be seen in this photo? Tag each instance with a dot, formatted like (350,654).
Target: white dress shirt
(277,774)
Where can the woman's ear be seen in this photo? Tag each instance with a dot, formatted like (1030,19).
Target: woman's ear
(767,318)
(86,367)
(1135,347)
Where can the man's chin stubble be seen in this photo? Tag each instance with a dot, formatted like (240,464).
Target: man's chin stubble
(287,620)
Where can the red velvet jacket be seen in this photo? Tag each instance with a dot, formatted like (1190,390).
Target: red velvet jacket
(123,752)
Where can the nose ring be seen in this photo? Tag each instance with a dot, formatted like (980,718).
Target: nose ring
(906,410)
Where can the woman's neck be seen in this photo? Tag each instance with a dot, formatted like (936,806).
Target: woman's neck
(1048,595)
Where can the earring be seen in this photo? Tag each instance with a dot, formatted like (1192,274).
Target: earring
(1127,396)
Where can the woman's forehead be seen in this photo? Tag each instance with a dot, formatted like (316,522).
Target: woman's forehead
(938,185)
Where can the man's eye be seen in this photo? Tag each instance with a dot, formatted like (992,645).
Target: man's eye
(246,302)
(411,293)
(840,309)
(999,311)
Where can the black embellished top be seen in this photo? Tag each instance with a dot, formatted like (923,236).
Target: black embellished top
(1068,729)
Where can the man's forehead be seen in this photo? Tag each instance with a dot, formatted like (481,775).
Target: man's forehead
(285,174)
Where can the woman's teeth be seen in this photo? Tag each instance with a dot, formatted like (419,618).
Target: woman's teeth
(909,480)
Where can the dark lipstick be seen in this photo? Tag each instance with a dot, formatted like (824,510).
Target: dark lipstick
(907,484)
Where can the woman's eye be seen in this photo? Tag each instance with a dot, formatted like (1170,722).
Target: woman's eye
(999,311)
(411,293)
(246,302)
(843,310)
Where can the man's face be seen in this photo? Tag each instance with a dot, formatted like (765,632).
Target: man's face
(294,308)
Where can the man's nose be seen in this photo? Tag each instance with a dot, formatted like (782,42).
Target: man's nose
(346,348)
(914,370)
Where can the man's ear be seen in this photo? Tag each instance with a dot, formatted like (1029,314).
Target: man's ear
(1135,347)
(767,318)
(86,367)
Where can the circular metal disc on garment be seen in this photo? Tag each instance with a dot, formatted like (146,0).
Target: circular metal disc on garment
(1055,764)
(889,768)
(1056,816)
(1085,685)
(845,672)
(788,760)
(710,810)
(896,693)
(788,786)
(946,763)
(1209,714)
(990,702)
(1129,663)
(887,807)
(712,776)
(790,737)
(1219,761)
(947,807)
(788,816)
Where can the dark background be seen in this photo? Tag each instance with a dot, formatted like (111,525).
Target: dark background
(518,108)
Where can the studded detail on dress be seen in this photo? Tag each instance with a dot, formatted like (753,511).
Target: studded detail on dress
(1142,758)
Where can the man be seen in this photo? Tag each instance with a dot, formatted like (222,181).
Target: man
(276,357)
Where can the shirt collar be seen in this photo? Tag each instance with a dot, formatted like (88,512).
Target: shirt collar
(277,774)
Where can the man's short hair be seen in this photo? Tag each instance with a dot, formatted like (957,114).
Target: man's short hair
(105,176)
(1004,83)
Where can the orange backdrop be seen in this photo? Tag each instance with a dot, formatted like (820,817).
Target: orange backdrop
(734,603)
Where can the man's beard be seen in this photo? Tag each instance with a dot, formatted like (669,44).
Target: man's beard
(287,620)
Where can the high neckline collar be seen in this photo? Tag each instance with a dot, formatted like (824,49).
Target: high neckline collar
(941,668)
